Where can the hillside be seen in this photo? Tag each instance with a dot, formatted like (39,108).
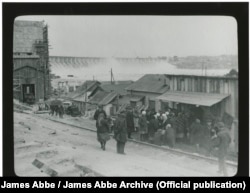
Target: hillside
(208,62)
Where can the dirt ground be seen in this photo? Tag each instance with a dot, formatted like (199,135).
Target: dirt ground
(66,149)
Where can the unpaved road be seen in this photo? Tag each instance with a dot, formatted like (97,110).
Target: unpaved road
(61,147)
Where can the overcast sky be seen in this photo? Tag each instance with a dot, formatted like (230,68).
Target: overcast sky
(142,36)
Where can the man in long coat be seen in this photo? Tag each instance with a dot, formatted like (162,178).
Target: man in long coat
(143,126)
(120,132)
(153,126)
(196,134)
(130,122)
(222,141)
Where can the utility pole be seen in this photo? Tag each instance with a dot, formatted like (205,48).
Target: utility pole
(86,95)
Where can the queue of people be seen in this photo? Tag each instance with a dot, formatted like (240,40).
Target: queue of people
(164,128)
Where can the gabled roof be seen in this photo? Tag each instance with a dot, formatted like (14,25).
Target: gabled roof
(102,98)
(27,66)
(86,86)
(155,83)
(118,88)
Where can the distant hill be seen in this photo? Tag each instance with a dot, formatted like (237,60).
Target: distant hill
(209,62)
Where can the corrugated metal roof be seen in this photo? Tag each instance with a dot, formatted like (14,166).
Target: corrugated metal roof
(194,98)
(156,83)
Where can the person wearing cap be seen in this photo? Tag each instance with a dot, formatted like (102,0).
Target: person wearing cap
(223,139)
(120,132)
(143,126)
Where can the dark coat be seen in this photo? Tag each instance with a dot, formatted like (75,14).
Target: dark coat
(153,126)
(196,133)
(130,121)
(170,136)
(120,129)
(158,137)
(222,142)
(102,131)
(143,125)
(98,112)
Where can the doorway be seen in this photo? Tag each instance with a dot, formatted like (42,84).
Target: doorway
(28,93)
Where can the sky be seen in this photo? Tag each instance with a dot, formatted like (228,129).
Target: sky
(140,36)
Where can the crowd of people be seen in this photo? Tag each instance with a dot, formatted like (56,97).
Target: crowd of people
(164,128)
(57,110)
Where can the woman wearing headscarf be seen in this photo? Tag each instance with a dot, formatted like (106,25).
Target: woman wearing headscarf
(170,136)
(102,130)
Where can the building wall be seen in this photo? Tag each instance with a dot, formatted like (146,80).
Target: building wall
(209,85)
(30,48)
(25,34)
(31,76)
(148,95)
(225,85)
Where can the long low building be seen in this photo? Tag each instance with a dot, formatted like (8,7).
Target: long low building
(208,97)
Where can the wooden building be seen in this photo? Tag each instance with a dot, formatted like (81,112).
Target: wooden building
(145,90)
(83,94)
(31,74)
(208,97)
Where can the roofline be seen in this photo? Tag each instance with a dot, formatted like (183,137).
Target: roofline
(200,76)
(27,66)
(145,91)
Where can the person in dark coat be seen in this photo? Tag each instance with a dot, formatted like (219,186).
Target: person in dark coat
(61,111)
(99,111)
(143,126)
(208,133)
(170,136)
(180,132)
(136,116)
(163,127)
(153,126)
(223,139)
(196,130)
(102,130)
(120,132)
(130,122)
